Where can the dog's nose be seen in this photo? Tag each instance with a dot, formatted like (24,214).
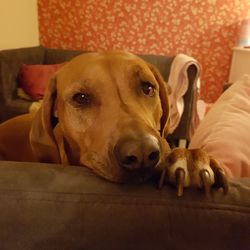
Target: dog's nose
(138,153)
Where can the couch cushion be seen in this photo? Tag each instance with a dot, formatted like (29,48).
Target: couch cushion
(225,131)
(46,206)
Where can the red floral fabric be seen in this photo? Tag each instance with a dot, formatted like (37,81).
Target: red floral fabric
(206,30)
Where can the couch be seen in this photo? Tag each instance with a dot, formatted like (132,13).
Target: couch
(49,206)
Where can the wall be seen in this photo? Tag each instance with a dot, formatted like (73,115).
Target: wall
(206,30)
(18,24)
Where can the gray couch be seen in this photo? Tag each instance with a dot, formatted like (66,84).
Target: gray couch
(45,206)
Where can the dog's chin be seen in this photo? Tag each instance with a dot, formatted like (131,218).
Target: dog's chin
(137,175)
(118,174)
(133,177)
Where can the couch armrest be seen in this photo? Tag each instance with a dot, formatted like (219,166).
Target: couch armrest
(46,206)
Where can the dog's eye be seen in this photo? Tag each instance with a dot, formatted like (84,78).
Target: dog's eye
(148,88)
(82,99)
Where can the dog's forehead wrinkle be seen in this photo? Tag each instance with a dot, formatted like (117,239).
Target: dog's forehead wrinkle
(113,67)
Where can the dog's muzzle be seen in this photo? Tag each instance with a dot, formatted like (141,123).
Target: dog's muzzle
(137,152)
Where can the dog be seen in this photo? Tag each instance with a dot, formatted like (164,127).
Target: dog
(108,112)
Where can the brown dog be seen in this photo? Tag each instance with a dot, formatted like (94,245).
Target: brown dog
(109,112)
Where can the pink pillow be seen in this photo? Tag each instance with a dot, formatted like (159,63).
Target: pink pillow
(225,131)
(33,78)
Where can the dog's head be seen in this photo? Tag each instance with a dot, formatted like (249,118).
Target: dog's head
(106,111)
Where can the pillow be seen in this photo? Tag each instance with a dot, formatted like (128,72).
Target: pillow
(225,131)
(33,78)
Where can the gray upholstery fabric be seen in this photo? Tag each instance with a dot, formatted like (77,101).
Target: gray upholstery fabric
(45,206)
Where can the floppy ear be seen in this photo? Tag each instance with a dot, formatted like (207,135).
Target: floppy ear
(42,139)
(164,90)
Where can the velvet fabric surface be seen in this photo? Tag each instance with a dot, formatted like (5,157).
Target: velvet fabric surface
(46,206)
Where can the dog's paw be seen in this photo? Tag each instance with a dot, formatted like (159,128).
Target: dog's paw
(193,168)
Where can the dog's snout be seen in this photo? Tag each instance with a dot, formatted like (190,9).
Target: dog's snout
(135,153)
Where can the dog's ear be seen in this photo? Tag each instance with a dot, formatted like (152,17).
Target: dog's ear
(42,137)
(164,90)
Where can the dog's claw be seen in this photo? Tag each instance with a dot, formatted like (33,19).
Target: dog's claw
(206,181)
(179,177)
(204,171)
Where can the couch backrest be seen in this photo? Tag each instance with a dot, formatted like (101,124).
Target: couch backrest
(163,63)
(54,56)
